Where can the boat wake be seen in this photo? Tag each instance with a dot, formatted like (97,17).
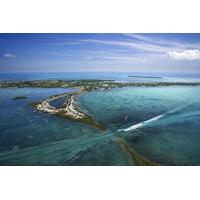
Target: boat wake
(144,123)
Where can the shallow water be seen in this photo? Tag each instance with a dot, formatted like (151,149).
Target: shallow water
(33,138)
(117,76)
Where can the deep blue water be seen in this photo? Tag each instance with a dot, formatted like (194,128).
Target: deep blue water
(58,103)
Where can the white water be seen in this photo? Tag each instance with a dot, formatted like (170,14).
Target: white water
(144,123)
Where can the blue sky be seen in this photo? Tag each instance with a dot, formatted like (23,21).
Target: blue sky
(100,52)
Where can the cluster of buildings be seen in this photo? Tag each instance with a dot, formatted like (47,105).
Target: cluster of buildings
(69,108)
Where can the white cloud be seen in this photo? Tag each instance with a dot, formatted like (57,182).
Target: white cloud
(9,55)
(130,44)
(64,43)
(193,54)
(178,45)
(88,58)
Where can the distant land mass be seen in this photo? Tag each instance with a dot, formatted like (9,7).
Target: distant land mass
(133,76)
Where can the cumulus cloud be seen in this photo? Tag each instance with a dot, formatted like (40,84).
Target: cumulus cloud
(9,55)
(193,54)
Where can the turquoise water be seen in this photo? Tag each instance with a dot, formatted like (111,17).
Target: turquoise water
(171,138)
(117,76)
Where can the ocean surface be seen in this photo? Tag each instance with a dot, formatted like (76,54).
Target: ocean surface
(117,76)
(159,123)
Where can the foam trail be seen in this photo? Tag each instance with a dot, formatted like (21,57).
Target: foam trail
(144,123)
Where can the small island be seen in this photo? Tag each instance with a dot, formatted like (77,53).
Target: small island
(19,97)
(68,110)
(134,76)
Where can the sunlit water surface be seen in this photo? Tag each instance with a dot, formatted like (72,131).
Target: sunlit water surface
(32,138)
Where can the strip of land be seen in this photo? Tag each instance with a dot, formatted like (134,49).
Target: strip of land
(145,76)
(88,85)
(134,156)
